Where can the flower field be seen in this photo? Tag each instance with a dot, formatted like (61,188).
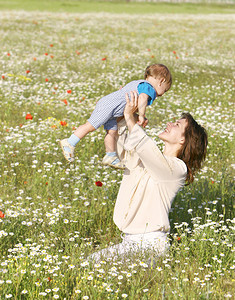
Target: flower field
(54,67)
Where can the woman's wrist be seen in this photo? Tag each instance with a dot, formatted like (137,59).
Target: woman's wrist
(130,121)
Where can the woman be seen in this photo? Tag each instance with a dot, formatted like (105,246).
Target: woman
(151,180)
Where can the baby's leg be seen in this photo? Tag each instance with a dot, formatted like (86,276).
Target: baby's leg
(111,157)
(68,145)
(110,140)
(83,130)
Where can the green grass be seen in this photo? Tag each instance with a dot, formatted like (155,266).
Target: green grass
(55,215)
(74,6)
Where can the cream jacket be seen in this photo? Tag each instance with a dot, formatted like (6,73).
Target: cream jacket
(149,186)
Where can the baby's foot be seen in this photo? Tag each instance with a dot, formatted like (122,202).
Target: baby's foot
(68,150)
(113,161)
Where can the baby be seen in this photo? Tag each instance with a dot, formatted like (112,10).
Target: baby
(157,81)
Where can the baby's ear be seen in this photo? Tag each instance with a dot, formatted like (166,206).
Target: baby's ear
(162,80)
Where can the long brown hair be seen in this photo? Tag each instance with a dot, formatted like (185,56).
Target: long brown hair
(193,151)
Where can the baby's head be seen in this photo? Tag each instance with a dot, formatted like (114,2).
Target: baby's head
(160,77)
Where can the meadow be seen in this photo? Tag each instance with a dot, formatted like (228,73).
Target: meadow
(54,67)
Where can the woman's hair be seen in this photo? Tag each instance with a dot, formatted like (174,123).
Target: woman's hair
(193,151)
(159,71)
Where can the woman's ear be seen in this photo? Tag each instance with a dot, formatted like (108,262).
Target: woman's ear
(182,140)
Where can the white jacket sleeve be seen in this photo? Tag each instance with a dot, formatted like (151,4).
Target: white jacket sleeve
(152,158)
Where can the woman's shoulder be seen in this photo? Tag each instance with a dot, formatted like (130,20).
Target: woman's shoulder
(178,165)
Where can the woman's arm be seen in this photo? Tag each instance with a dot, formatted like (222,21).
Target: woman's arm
(130,108)
(152,158)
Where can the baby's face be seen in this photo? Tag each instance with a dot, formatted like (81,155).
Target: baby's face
(160,85)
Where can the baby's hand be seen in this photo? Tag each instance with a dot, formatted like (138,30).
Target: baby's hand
(141,120)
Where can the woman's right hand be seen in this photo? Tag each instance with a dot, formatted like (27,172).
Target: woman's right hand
(131,106)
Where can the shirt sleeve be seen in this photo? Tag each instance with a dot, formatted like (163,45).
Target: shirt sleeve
(146,88)
(151,156)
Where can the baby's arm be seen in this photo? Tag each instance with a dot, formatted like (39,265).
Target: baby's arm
(142,103)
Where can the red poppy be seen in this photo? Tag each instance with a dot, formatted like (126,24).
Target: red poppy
(51,45)
(149,50)
(51,56)
(34,58)
(152,56)
(46,79)
(174,52)
(25,182)
(29,117)
(2,214)
(83,98)
(65,102)
(178,238)
(46,183)
(78,53)
(104,58)
(177,57)
(49,279)
(69,91)
(46,54)
(8,54)
(3,77)
(63,123)
(27,71)
(98,183)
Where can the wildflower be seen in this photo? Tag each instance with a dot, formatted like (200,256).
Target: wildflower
(124,295)
(51,45)
(174,52)
(84,264)
(8,296)
(104,58)
(65,102)
(85,297)
(29,117)
(27,71)
(63,123)
(46,79)
(1,214)
(56,296)
(69,91)
(46,53)
(24,292)
(3,77)
(98,183)
(145,290)
(77,291)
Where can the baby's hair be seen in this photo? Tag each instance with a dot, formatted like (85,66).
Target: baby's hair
(159,71)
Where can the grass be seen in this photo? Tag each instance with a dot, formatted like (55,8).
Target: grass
(53,215)
(72,6)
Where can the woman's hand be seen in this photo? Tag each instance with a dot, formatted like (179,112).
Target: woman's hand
(131,106)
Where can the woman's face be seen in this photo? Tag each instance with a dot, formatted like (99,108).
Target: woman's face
(174,132)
